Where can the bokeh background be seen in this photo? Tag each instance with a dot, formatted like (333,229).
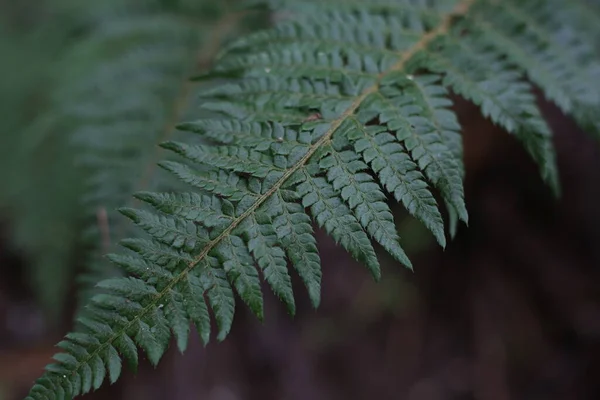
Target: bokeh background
(510,310)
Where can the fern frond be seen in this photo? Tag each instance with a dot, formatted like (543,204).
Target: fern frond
(113,133)
(556,56)
(399,174)
(147,50)
(497,88)
(385,127)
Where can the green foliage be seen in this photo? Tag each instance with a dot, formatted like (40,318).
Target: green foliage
(44,227)
(146,53)
(89,146)
(323,116)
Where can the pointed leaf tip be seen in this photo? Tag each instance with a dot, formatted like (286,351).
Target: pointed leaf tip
(173,146)
(194,127)
(164,164)
(146,197)
(130,213)
(441,239)
(315,297)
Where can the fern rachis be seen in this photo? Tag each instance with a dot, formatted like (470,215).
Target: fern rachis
(385,126)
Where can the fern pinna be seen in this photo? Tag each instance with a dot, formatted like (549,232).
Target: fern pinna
(338,106)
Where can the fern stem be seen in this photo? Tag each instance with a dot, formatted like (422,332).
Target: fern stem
(461,9)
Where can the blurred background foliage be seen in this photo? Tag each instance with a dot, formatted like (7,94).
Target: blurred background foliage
(88,88)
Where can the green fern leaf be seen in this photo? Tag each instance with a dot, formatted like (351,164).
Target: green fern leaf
(239,267)
(347,173)
(422,138)
(220,183)
(193,294)
(296,236)
(398,174)
(498,89)
(209,211)
(331,213)
(553,55)
(146,49)
(348,105)
(220,295)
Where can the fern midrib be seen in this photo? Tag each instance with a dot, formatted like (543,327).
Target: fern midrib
(461,9)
